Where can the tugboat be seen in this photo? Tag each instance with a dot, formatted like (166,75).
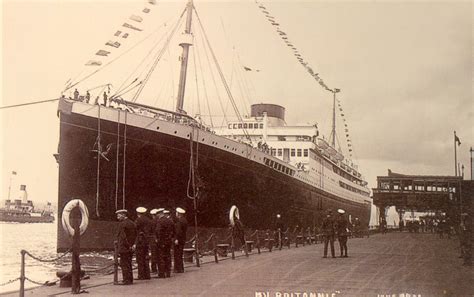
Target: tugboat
(22,210)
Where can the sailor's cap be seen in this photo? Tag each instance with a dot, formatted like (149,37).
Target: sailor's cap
(278,216)
(341,211)
(153,211)
(141,209)
(160,210)
(464,214)
(180,210)
(121,211)
(166,211)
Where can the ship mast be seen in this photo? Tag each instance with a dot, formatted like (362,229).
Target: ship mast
(333,132)
(185,44)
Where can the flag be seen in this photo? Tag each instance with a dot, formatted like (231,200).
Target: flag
(102,53)
(136,18)
(125,35)
(93,63)
(456,139)
(118,33)
(49,203)
(152,2)
(146,10)
(126,25)
(113,44)
(247,68)
(13,172)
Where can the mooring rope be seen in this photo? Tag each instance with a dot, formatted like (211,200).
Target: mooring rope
(99,148)
(117,161)
(124,159)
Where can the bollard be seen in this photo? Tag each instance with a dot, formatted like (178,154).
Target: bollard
(198,264)
(76,264)
(258,243)
(216,258)
(232,247)
(115,263)
(280,243)
(22,274)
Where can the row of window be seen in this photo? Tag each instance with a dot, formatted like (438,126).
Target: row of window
(293,152)
(246,126)
(434,188)
(352,189)
(278,166)
(347,175)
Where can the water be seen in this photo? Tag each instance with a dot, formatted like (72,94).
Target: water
(40,240)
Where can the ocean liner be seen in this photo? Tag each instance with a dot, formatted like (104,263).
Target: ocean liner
(124,154)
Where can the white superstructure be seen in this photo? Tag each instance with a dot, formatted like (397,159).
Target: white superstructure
(297,151)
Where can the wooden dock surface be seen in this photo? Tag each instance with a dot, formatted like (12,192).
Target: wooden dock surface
(383,265)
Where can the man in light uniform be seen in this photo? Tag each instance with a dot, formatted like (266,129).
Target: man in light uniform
(181,226)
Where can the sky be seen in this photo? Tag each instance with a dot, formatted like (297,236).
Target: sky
(404,69)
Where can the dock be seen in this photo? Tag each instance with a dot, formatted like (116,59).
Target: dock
(392,264)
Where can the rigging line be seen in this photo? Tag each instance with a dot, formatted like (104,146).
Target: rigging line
(107,64)
(245,84)
(160,54)
(197,85)
(229,94)
(204,83)
(219,70)
(124,160)
(214,81)
(233,51)
(29,103)
(173,93)
(243,92)
(122,89)
(117,160)
(227,38)
(249,81)
(300,58)
(127,91)
(148,55)
(99,149)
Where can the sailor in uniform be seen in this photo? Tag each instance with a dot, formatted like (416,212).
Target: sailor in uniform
(144,225)
(125,238)
(342,232)
(153,243)
(328,233)
(181,226)
(164,235)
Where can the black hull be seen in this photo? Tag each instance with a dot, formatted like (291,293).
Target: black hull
(17,219)
(156,175)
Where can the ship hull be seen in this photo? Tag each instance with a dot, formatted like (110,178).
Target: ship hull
(25,219)
(153,170)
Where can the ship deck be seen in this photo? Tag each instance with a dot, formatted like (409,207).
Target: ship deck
(394,263)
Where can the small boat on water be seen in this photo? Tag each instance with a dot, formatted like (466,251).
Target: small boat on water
(22,210)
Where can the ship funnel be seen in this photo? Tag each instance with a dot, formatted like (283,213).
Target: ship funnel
(272,110)
(275,113)
(23,194)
